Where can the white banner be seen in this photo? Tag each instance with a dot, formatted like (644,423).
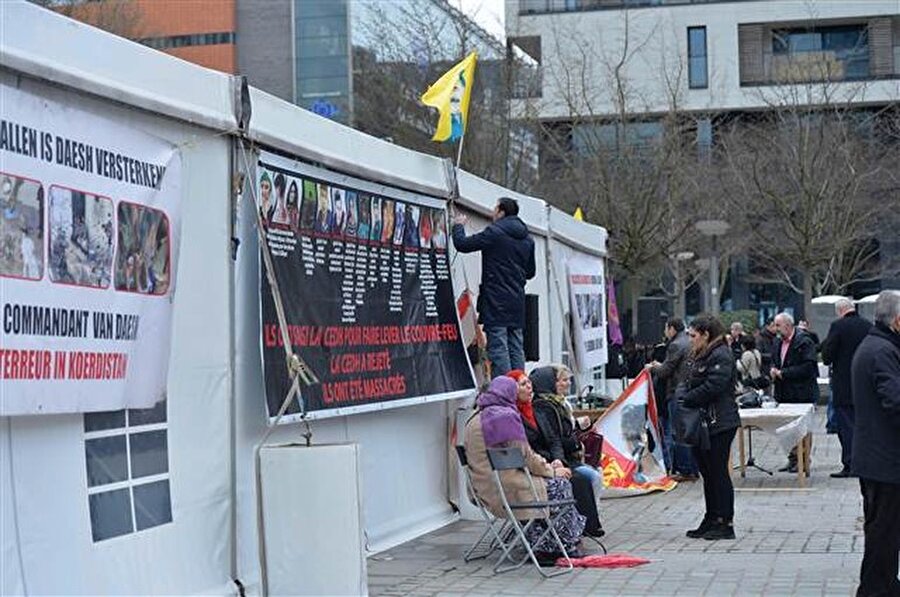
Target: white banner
(587,298)
(89,231)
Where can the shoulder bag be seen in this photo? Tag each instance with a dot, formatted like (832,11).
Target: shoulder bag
(692,426)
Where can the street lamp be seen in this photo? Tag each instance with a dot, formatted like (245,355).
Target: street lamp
(677,258)
(713,229)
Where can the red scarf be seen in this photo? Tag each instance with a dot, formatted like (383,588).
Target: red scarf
(526,409)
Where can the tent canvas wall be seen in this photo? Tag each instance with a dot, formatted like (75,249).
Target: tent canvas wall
(215,414)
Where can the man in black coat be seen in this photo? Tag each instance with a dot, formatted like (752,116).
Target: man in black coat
(507,262)
(794,370)
(875,382)
(844,336)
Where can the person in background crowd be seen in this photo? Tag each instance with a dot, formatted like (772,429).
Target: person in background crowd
(582,486)
(844,336)
(875,386)
(635,360)
(766,343)
(794,371)
(710,385)
(498,424)
(737,336)
(507,262)
(672,371)
(749,366)
(804,325)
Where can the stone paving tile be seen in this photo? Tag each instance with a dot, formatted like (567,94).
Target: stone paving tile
(790,542)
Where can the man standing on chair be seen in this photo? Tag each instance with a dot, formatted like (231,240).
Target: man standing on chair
(843,338)
(875,381)
(507,262)
(794,371)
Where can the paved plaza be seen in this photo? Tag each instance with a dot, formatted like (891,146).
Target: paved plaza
(790,541)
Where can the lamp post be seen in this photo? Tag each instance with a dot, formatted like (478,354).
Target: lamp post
(677,258)
(713,229)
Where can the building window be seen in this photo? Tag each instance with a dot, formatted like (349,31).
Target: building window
(823,54)
(127,460)
(698,77)
(183,41)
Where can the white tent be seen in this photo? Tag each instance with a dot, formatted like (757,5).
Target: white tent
(215,415)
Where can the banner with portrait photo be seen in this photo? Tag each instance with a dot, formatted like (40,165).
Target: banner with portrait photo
(89,211)
(364,278)
(587,296)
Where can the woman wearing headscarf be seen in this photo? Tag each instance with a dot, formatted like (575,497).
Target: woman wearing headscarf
(710,385)
(497,424)
(554,438)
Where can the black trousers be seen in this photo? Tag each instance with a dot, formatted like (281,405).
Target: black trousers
(718,492)
(881,507)
(844,418)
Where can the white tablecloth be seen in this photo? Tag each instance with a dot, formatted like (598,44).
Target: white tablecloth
(787,422)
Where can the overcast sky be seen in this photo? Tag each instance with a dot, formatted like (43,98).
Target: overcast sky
(487,13)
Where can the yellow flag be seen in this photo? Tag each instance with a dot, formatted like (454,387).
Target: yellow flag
(450,94)
(578,215)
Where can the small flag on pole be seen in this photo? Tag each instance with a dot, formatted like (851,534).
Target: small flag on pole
(578,215)
(450,95)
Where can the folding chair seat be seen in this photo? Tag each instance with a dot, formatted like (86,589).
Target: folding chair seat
(505,459)
(496,528)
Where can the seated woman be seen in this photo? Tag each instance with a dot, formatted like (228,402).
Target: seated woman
(553,437)
(497,424)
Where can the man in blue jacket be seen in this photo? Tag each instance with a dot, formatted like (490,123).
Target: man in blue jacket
(507,262)
(875,384)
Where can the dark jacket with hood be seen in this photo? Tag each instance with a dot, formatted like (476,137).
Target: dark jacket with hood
(875,379)
(844,336)
(710,385)
(557,440)
(507,262)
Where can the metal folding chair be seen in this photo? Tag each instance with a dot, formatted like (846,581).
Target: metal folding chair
(492,537)
(504,459)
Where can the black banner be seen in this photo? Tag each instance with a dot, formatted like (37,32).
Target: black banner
(367,293)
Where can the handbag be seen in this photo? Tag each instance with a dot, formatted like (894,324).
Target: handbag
(592,447)
(749,399)
(691,426)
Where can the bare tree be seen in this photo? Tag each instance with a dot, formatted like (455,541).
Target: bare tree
(815,176)
(643,177)
(121,17)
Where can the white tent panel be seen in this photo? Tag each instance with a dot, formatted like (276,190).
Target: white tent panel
(11,579)
(191,553)
(579,235)
(284,126)
(480,196)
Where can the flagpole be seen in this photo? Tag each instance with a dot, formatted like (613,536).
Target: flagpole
(462,139)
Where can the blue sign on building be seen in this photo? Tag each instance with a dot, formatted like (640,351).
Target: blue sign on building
(324,108)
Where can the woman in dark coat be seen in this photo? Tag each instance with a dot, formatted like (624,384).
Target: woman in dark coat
(553,437)
(710,386)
